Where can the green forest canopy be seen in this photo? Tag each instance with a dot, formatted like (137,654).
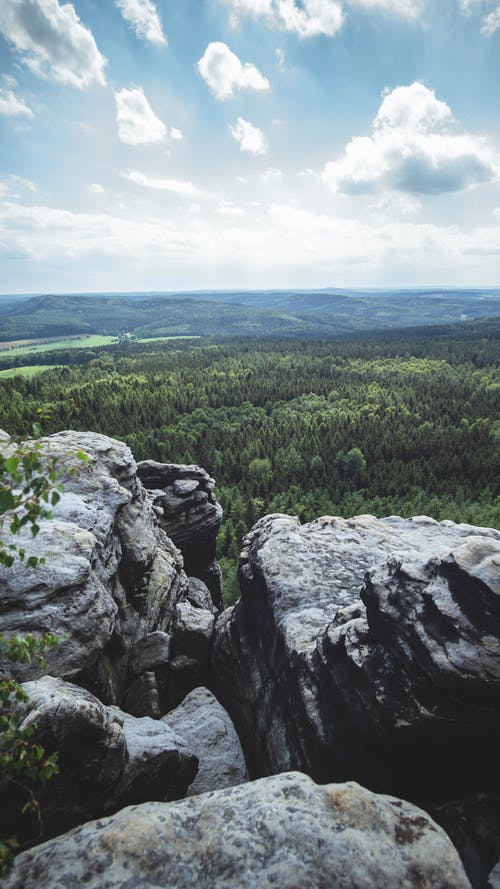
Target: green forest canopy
(396,424)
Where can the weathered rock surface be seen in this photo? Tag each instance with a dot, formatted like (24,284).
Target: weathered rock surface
(107,759)
(111,576)
(370,650)
(494,878)
(283,831)
(473,826)
(189,514)
(207,728)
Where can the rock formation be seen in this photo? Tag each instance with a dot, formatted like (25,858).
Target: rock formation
(107,759)
(112,580)
(367,649)
(206,727)
(283,831)
(189,514)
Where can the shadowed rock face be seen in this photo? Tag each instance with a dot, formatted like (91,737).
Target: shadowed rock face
(367,649)
(111,579)
(190,515)
(283,831)
(107,759)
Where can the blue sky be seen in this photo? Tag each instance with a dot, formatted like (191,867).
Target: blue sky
(248,143)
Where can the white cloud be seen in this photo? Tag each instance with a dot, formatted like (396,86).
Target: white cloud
(310,18)
(491,23)
(409,9)
(52,41)
(283,245)
(272,174)
(222,70)
(176,134)
(414,147)
(144,18)
(12,106)
(313,17)
(137,122)
(160,184)
(96,188)
(251,139)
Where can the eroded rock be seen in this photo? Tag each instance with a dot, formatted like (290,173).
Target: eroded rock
(111,576)
(393,681)
(107,759)
(207,728)
(283,831)
(190,515)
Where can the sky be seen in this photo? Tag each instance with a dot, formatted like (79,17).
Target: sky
(222,144)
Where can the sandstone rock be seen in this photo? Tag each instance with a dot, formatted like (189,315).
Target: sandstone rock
(473,826)
(283,831)
(111,576)
(199,595)
(393,681)
(192,640)
(107,759)
(207,728)
(494,878)
(190,515)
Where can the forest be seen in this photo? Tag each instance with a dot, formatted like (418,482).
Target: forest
(402,423)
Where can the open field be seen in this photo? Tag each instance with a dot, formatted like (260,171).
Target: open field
(28,371)
(81,342)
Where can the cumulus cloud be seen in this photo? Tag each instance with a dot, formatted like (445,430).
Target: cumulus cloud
(52,41)
(415,147)
(187,189)
(491,23)
(137,122)
(251,139)
(313,17)
(12,106)
(310,18)
(144,18)
(222,70)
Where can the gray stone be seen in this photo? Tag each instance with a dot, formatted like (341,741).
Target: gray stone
(107,759)
(111,576)
(367,649)
(283,831)
(191,516)
(199,595)
(208,730)
(142,697)
(150,653)
(494,878)
(193,632)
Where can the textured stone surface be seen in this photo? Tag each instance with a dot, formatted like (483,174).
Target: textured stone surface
(107,759)
(190,515)
(207,728)
(283,831)
(473,826)
(111,575)
(392,680)
(494,878)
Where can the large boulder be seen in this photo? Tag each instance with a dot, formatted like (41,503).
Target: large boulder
(367,649)
(283,831)
(207,728)
(189,514)
(107,759)
(111,581)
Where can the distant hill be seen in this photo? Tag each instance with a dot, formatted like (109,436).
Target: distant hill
(240,313)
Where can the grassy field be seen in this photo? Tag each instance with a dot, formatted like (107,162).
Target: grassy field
(81,342)
(28,371)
